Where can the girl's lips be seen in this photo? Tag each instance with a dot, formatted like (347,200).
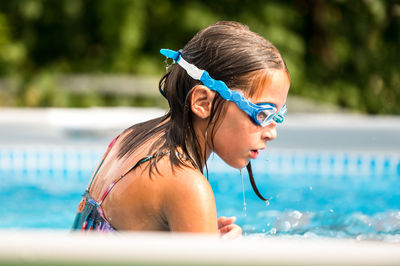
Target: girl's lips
(254,154)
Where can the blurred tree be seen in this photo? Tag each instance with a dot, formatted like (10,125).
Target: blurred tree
(343,52)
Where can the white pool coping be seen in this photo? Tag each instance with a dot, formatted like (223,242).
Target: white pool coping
(188,249)
(98,118)
(95,118)
(99,125)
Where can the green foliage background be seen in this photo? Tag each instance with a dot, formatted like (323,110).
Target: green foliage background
(341,52)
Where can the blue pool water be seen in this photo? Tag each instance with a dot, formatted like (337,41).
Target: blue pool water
(312,194)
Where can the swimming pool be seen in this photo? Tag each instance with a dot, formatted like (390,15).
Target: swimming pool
(312,194)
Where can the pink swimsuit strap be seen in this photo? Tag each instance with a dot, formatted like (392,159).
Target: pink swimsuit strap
(101,162)
(110,187)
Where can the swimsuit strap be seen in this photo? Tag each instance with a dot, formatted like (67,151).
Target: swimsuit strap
(101,162)
(143,160)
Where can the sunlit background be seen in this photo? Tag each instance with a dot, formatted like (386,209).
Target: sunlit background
(80,53)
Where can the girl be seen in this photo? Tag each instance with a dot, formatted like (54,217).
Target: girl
(226,93)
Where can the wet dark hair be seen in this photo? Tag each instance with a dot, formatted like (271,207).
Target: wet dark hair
(230,52)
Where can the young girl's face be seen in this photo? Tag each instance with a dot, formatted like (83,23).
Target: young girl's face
(237,138)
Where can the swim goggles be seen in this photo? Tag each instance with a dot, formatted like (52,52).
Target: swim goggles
(261,114)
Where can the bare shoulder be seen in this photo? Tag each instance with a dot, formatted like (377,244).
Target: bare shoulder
(189,182)
(187,200)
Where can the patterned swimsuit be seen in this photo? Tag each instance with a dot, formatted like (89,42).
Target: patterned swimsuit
(90,215)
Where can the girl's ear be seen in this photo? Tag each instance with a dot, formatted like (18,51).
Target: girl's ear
(201,101)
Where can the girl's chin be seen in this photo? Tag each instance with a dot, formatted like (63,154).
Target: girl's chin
(239,164)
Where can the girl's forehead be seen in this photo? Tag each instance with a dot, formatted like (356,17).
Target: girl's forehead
(272,87)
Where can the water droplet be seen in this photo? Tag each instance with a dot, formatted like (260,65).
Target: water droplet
(331,210)
(244,197)
(272,231)
(267,203)
(286,226)
(297,214)
(310,187)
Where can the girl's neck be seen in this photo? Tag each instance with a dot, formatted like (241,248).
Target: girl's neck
(203,139)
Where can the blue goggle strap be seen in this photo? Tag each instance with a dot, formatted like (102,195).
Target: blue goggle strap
(215,85)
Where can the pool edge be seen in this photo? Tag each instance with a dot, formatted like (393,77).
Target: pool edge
(62,247)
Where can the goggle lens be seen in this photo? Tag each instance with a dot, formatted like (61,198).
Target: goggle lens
(264,116)
(267,116)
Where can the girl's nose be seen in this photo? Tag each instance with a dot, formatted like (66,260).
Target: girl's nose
(269,132)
